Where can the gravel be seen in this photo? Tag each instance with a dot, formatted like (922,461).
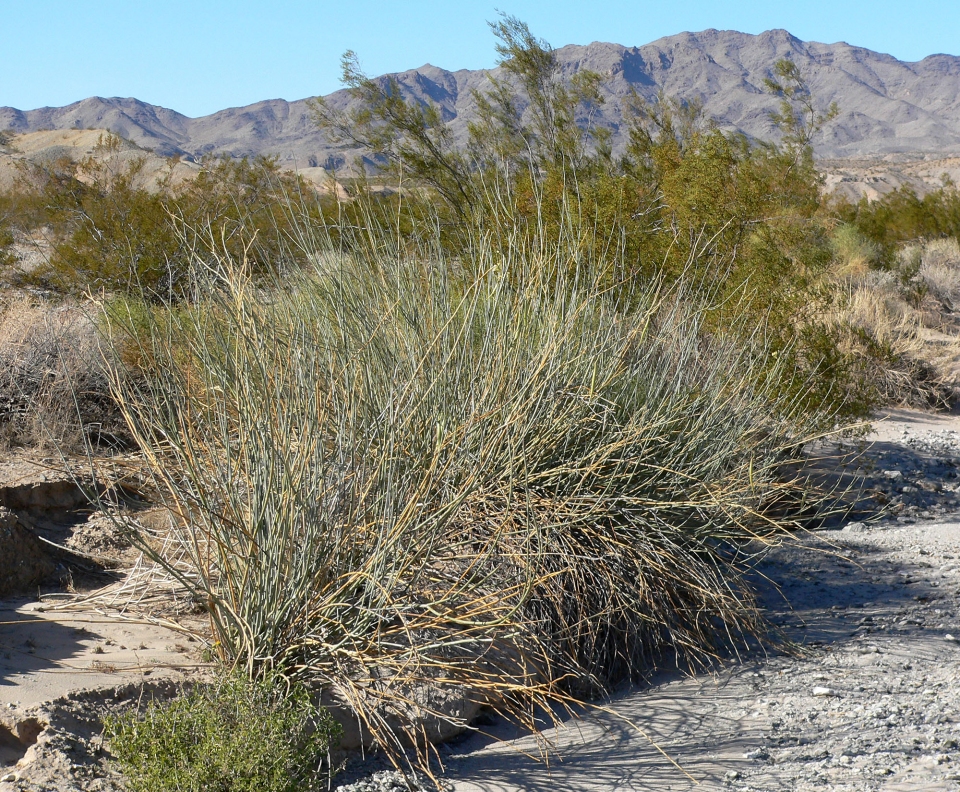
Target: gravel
(863,695)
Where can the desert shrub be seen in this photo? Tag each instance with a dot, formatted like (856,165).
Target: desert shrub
(54,385)
(939,271)
(886,288)
(495,471)
(105,231)
(111,233)
(232,735)
(879,325)
(903,216)
(740,223)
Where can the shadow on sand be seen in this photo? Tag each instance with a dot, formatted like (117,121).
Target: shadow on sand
(679,730)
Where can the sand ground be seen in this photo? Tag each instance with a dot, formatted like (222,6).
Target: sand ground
(868,699)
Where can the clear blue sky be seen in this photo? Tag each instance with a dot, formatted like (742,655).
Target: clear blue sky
(205,55)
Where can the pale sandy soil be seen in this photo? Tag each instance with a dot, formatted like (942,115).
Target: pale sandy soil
(69,656)
(869,699)
(48,654)
(871,703)
(873,178)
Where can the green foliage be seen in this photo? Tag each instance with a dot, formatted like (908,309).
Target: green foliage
(114,229)
(409,138)
(798,117)
(741,224)
(902,216)
(416,145)
(853,252)
(229,736)
(119,235)
(252,208)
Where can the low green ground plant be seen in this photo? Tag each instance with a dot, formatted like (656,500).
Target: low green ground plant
(231,735)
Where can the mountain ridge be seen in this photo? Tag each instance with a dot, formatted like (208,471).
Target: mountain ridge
(887,106)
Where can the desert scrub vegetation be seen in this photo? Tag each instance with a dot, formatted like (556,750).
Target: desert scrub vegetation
(106,230)
(896,318)
(495,473)
(55,387)
(740,223)
(232,734)
(902,217)
(896,264)
(516,428)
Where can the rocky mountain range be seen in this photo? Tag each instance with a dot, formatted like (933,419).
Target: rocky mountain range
(887,106)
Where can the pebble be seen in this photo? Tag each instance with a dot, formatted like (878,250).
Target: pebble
(893,475)
(387,781)
(951,638)
(824,691)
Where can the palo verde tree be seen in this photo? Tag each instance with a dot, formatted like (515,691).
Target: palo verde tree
(527,125)
(740,221)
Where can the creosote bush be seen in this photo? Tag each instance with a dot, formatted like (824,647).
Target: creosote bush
(232,735)
(107,231)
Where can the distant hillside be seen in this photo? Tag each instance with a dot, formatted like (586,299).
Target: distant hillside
(887,106)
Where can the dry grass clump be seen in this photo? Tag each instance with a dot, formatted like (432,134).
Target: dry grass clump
(854,255)
(396,470)
(939,271)
(898,322)
(54,387)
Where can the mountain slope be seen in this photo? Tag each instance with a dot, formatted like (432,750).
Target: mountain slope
(887,106)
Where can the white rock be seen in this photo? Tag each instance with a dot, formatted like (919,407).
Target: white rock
(951,638)
(824,691)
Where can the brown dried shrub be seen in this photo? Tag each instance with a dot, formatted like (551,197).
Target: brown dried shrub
(54,390)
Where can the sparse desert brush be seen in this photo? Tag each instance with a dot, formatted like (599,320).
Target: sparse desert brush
(395,470)
(232,734)
(54,386)
(880,326)
(939,271)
